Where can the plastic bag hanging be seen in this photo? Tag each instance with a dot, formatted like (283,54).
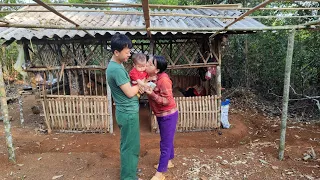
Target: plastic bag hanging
(20,61)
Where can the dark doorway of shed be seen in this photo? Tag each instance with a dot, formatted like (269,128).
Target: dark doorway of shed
(144,117)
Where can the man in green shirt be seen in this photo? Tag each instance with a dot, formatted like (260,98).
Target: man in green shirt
(127,106)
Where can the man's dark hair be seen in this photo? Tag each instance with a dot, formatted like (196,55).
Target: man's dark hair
(119,42)
(161,63)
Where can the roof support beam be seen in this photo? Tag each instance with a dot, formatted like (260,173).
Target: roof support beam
(249,12)
(263,4)
(194,30)
(163,14)
(128,5)
(316,22)
(4,21)
(145,8)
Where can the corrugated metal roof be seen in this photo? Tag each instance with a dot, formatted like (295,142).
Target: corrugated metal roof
(100,19)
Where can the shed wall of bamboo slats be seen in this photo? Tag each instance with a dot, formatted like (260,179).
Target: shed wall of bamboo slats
(195,114)
(77,113)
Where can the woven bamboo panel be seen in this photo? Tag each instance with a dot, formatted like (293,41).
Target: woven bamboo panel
(195,114)
(77,113)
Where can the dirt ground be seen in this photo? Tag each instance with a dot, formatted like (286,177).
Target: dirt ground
(248,150)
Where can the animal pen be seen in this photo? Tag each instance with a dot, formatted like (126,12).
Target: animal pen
(67,64)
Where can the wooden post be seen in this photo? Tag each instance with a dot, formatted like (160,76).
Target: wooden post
(44,89)
(216,49)
(109,104)
(5,113)
(152,47)
(285,98)
(21,110)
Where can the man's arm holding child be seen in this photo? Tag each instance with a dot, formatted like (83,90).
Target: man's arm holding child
(123,82)
(129,90)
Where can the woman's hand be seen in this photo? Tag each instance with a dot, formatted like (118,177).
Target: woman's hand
(148,90)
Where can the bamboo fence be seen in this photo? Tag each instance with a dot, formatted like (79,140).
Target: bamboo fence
(195,114)
(77,113)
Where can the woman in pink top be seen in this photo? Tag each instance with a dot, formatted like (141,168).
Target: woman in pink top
(164,107)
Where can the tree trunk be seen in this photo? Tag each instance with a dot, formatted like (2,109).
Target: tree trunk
(286,94)
(6,122)
(246,62)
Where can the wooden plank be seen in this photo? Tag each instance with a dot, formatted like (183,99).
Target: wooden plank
(192,125)
(63,84)
(99,120)
(211,113)
(73,119)
(182,116)
(216,124)
(102,90)
(51,112)
(62,110)
(95,82)
(145,8)
(108,116)
(181,122)
(202,114)
(45,112)
(96,113)
(68,112)
(55,113)
(103,122)
(91,109)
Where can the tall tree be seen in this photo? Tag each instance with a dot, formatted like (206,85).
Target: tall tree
(5,113)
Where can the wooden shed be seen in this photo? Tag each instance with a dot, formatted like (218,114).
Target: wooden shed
(67,67)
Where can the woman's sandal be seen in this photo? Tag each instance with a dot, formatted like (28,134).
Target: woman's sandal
(170,165)
(157,178)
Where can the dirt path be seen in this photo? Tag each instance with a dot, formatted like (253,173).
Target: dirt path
(246,151)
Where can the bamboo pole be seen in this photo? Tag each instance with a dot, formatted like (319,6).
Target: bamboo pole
(21,110)
(90,90)
(215,6)
(169,29)
(249,12)
(5,113)
(95,82)
(4,21)
(219,81)
(285,99)
(48,112)
(68,111)
(217,121)
(211,113)
(195,65)
(316,22)
(37,69)
(173,14)
(162,6)
(82,126)
(189,114)
(109,110)
(46,102)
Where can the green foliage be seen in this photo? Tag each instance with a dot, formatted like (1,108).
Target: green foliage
(266,60)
